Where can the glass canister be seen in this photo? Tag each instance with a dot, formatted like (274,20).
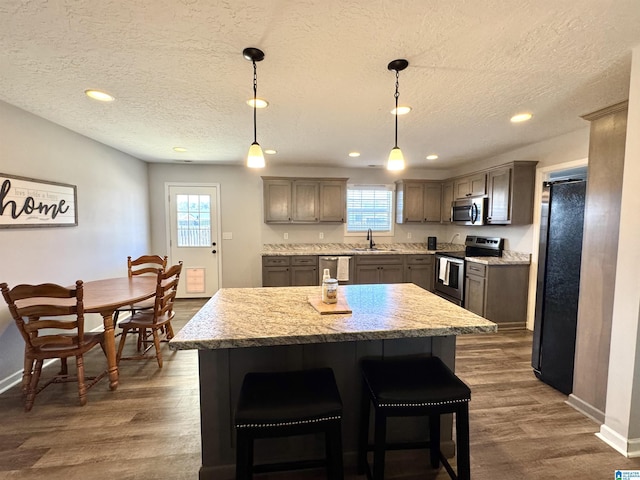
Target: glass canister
(330,290)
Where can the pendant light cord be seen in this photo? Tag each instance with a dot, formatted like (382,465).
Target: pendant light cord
(396,97)
(255,93)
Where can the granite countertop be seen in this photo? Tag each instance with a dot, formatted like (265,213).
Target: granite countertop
(349,249)
(256,317)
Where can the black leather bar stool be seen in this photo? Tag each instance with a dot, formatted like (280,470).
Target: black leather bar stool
(411,387)
(283,404)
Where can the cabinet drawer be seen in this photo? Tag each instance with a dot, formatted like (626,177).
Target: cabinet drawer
(304,260)
(476,269)
(419,259)
(275,261)
(379,260)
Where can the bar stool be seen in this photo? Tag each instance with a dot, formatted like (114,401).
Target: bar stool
(281,404)
(412,387)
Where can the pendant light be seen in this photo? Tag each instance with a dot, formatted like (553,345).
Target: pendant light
(396,159)
(255,158)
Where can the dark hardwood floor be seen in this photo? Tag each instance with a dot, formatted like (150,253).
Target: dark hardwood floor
(149,427)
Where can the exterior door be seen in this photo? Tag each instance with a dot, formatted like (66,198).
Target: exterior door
(194,225)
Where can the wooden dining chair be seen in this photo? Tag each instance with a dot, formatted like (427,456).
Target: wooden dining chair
(157,320)
(52,328)
(144,265)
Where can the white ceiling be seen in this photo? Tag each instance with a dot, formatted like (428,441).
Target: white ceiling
(177,72)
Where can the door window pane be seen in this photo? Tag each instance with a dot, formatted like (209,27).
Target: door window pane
(194,220)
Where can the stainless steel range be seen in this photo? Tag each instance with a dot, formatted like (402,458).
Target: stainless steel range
(450,266)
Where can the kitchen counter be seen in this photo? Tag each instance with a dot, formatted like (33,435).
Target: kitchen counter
(347,249)
(260,317)
(241,330)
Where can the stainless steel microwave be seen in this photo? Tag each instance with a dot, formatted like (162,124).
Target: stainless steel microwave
(469,211)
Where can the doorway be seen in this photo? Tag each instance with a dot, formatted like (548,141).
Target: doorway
(193,224)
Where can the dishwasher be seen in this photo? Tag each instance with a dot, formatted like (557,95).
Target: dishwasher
(332,263)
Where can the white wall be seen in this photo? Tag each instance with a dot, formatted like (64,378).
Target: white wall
(113,222)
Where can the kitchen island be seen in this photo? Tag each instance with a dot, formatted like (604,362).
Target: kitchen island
(264,329)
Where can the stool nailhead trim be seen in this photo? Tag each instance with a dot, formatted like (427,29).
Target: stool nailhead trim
(286,424)
(423,404)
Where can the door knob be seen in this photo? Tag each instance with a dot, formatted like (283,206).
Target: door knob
(213,244)
(213,251)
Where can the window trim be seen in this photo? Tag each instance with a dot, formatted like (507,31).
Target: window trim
(372,186)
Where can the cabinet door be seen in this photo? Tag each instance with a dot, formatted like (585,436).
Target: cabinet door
(499,196)
(432,202)
(333,201)
(304,276)
(421,275)
(275,277)
(305,201)
(474,294)
(367,274)
(413,202)
(391,274)
(277,201)
(447,198)
(478,184)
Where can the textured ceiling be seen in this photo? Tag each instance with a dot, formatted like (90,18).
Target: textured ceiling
(177,72)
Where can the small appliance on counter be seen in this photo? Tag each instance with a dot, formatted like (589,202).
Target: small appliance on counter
(432,243)
(450,266)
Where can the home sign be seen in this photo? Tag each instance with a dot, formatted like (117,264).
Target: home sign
(27,202)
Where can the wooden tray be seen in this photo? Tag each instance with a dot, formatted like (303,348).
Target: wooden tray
(329,308)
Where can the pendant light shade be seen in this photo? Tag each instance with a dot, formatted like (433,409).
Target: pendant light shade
(255,157)
(396,159)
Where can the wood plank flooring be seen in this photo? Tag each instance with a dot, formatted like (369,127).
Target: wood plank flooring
(149,428)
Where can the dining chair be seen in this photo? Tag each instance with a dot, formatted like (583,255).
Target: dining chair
(157,320)
(52,328)
(144,265)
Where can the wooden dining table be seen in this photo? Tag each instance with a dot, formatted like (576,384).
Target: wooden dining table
(105,297)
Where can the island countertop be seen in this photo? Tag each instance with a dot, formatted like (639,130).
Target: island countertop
(257,317)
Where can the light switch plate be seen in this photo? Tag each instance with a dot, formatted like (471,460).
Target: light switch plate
(227,235)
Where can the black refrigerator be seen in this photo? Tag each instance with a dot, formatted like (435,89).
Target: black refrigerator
(558,284)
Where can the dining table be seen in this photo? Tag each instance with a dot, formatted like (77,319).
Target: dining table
(105,297)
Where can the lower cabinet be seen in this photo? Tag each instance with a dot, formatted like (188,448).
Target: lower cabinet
(419,269)
(287,271)
(498,293)
(379,269)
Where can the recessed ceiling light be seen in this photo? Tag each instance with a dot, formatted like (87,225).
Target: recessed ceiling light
(521,117)
(260,103)
(432,157)
(402,110)
(179,149)
(99,95)
(270,151)
(354,154)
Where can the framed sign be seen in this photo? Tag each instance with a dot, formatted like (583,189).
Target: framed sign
(27,202)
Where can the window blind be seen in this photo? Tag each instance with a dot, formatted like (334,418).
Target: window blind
(369,206)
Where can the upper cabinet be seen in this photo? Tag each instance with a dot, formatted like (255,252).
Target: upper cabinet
(418,201)
(470,186)
(447,198)
(510,189)
(304,200)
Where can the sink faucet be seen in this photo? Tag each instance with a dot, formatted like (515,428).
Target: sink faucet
(370,238)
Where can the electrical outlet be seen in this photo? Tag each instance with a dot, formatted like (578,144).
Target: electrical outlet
(286,236)
(409,235)
(321,235)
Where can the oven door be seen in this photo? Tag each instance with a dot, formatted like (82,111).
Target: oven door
(449,281)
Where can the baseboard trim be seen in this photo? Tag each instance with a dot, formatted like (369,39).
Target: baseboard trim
(586,409)
(628,447)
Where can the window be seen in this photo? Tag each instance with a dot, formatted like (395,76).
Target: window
(369,206)
(194,220)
